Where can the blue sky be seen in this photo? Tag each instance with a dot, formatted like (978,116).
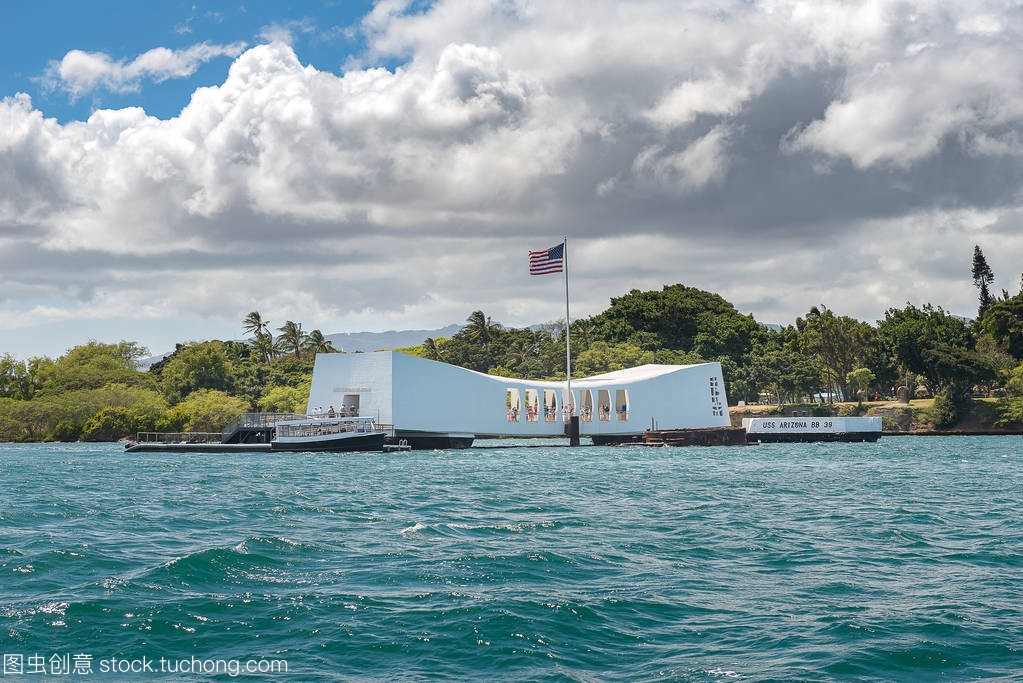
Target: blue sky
(35,34)
(389,164)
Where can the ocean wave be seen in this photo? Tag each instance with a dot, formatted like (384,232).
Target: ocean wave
(51,614)
(254,560)
(509,527)
(480,528)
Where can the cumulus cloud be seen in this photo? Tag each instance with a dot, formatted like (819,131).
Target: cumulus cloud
(783,153)
(80,72)
(901,112)
(703,161)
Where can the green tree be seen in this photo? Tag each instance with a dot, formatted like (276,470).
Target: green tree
(431,349)
(1011,410)
(92,365)
(264,347)
(36,419)
(205,410)
(940,348)
(316,343)
(787,374)
(838,344)
(75,411)
(956,370)
(238,352)
(480,329)
(10,428)
(1003,321)
(283,399)
(859,381)
(291,338)
(477,346)
(262,342)
(203,365)
(15,381)
(982,278)
(65,416)
(910,331)
(109,424)
(255,325)
(603,357)
(678,318)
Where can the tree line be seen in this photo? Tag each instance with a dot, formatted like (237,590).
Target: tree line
(98,391)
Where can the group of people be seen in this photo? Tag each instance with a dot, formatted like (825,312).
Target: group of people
(343,411)
(532,413)
(603,413)
(550,413)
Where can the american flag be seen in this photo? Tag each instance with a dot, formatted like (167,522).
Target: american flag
(547,260)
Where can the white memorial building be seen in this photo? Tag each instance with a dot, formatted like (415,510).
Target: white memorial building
(433,404)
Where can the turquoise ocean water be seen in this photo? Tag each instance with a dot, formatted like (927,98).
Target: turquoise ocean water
(900,560)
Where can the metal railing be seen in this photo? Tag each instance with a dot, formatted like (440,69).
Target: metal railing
(257,421)
(178,437)
(324,427)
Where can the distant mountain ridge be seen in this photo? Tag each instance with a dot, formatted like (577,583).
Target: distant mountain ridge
(392,339)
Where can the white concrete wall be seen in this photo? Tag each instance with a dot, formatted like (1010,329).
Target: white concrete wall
(417,394)
(438,397)
(684,399)
(366,374)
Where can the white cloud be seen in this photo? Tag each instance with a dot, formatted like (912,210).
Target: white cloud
(916,75)
(703,161)
(783,153)
(715,96)
(901,112)
(81,72)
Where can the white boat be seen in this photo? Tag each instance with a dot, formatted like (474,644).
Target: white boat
(328,434)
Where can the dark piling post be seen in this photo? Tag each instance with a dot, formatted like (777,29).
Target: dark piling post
(573,430)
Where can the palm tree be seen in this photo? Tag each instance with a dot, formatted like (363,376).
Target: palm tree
(262,341)
(315,342)
(253,323)
(430,349)
(263,346)
(291,338)
(480,329)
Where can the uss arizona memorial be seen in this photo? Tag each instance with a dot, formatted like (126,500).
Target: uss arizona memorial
(433,404)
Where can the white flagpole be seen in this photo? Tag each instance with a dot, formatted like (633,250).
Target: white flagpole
(568,338)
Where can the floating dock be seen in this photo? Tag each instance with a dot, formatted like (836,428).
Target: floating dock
(197,448)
